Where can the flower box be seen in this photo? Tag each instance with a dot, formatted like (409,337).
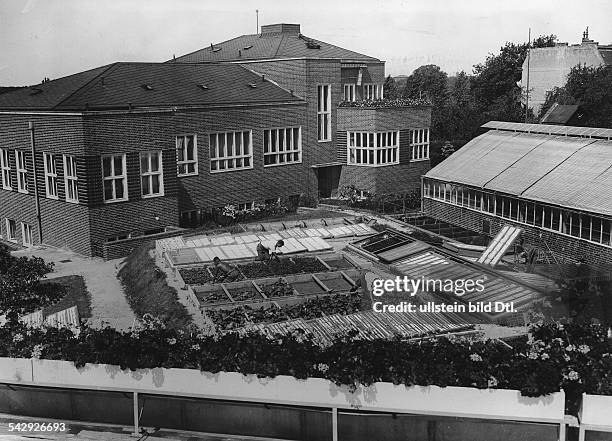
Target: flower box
(595,414)
(463,402)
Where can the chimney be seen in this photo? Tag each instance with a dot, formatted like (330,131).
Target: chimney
(281,28)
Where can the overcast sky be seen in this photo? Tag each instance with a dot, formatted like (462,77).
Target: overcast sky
(54,38)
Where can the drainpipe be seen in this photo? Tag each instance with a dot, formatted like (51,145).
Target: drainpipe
(37,201)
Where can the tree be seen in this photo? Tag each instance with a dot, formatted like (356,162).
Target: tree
(447,150)
(494,84)
(591,88)
(20,289)
(430,82)
(390,89)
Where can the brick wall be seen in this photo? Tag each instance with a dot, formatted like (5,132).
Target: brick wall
(568,247)
(385,180)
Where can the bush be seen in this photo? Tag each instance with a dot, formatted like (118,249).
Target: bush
(148,292)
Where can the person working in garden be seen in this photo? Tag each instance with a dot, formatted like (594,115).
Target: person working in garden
(264,254)
(224,272)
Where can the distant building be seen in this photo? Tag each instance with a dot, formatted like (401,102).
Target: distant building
(549,66)
(379,149)
(552,181)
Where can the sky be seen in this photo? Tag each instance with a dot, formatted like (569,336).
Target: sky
(55,38)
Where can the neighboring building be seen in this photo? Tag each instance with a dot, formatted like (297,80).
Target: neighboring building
(377,148)
(549,66)
(131,149)
(552,181)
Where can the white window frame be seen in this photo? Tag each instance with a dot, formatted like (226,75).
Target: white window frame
(22,171)
(372,91)
(348,92)
(361,146)
(50,166)
(71,180)
(149,174)
(27,236)
(279,150)
(419,144)
(324,113)
(186,163)
(219,152)
(114,178)
(10,238)
(5,165)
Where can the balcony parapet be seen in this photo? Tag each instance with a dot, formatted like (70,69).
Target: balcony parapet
(386,103)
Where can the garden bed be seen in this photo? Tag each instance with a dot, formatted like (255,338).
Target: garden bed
(197,276)
(244,292)
(275,288)
(295,265)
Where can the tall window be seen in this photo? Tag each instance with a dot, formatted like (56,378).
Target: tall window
(114,175)
(348,92)
(5,165)
(371,92)
(11,230)
(366,148)
(26,234)
(282,146)
(22,172)
(420,144)
(50,175)
(230,151)
(151,178)
(324,112)
(70,179)
(187,155)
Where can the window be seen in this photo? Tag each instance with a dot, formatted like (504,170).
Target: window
(114,175)
(348,92)
(371,91)
(151,175)
(26,234)
(230,151)
(11,230)
(420,144)
(22,172)
(5,165)
(70,179)
(282,146)
(186,155)
(367,148)
(324,112)
(50,175)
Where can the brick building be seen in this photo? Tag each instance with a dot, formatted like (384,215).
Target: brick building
(131,149)
(354,136)
(552,181)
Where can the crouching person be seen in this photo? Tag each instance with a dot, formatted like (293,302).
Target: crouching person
(224,272)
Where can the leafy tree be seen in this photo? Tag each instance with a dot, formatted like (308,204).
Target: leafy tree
(494,84)
(390,89)
(430,82)
(447,150)
(591,88)
(20,289)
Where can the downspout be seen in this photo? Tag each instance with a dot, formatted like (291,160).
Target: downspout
(36,199)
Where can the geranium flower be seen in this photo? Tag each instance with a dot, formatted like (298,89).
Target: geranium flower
(475,357)
(171,341)
(195,347)
(18,337)
(322,367)
(572,375)
(545,356)
(492,381)
(37,351)
(533,356)
(584,348)
(570,348)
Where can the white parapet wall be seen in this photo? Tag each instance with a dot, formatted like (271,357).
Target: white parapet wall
(464,402)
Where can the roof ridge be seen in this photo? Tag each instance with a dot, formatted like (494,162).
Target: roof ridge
(87,84)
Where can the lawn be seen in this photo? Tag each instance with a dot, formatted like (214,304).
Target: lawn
(75,294)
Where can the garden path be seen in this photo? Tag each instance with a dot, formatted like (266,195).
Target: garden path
(108,303)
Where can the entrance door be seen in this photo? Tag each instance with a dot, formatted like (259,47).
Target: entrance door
(329,179)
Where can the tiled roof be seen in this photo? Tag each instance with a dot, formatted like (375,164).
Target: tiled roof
(573,172)
(271,46)
(148,85)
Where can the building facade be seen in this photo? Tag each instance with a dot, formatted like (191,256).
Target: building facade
(345,111)
(552,181)
(134,149)
(548,67)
